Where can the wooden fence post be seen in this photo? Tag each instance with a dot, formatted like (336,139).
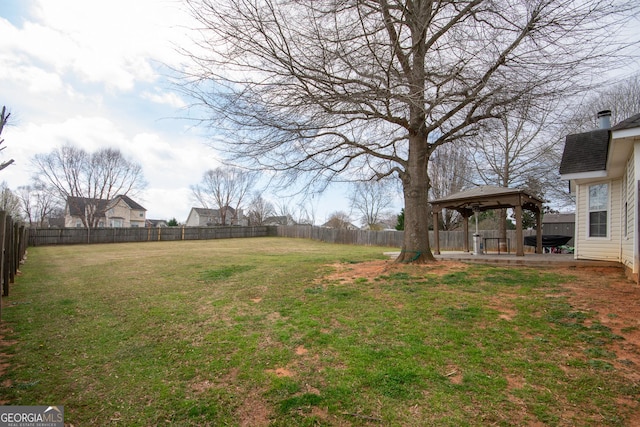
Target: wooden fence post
(6,258)
(3,220)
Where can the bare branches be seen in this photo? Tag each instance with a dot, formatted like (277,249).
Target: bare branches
(371,200)
(284,79)
(89,179)
(334,90)
(4,119)
(225,189)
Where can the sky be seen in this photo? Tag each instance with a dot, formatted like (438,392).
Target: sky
(96,74)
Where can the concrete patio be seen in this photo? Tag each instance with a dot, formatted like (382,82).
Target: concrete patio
(529,259)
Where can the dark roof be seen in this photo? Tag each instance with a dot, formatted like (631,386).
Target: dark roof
(212,212)
(630,123)
(585,152)
(133,205)
(77,205)
(487,197)
(277,220)
(479,192)
(558,218)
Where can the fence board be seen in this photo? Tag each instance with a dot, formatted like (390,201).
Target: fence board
(71,236)
(13,247)
(449,240)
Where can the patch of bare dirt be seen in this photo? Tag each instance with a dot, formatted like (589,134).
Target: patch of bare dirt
(253,411)
(615,302)
(348,273)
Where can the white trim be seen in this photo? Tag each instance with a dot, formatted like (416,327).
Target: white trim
(584,175)
(625,133)
(608,211)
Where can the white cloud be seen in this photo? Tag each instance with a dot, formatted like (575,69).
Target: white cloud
(115,43)
(168,98)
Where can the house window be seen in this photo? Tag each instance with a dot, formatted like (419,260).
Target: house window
(598,210)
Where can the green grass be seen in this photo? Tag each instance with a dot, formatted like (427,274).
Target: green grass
(254,332)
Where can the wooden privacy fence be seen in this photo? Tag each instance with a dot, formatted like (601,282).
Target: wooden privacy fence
(71,236)
(449,240)
(13,247)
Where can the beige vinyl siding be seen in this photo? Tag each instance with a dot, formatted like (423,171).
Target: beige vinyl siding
(118,215)
(137,218)
(628,205)
(599,248)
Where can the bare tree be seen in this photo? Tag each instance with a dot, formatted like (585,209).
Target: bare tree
(260,209)
(622,98)
(318,90)
(371,201)
(338,219)
(450,171)
(223,188)
(301,211)
(307,211)
(10,202)
(86,181)
(4,119)
(38,204)
(514,149)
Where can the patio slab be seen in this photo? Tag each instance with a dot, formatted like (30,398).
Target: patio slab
(529,259)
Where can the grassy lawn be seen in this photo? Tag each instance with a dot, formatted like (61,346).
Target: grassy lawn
(285,332)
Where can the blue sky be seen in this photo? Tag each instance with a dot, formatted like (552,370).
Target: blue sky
(91,73)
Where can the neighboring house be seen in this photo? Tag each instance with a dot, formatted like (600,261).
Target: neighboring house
(603,169)
(156,223)
(121,211)
(340,224)
(279,220)
(380,226)
(203,217)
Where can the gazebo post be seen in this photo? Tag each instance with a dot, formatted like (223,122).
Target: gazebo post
(539,231)
(519,236)
(436,235)
(466,233)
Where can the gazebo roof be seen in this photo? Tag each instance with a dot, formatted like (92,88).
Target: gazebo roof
(486,198)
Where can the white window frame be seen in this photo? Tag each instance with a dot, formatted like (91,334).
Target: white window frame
(599,206)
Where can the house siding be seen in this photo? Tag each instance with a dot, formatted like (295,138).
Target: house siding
(629,206)
(193,220)
(137,218)
(599,248)
(120,212)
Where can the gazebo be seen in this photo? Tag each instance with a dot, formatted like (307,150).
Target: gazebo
(484,198)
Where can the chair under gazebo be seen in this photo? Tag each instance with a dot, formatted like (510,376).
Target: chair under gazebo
(484,198)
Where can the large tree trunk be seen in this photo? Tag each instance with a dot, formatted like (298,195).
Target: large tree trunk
(415,183)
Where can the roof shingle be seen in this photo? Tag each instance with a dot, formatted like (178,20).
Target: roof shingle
(585,152)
